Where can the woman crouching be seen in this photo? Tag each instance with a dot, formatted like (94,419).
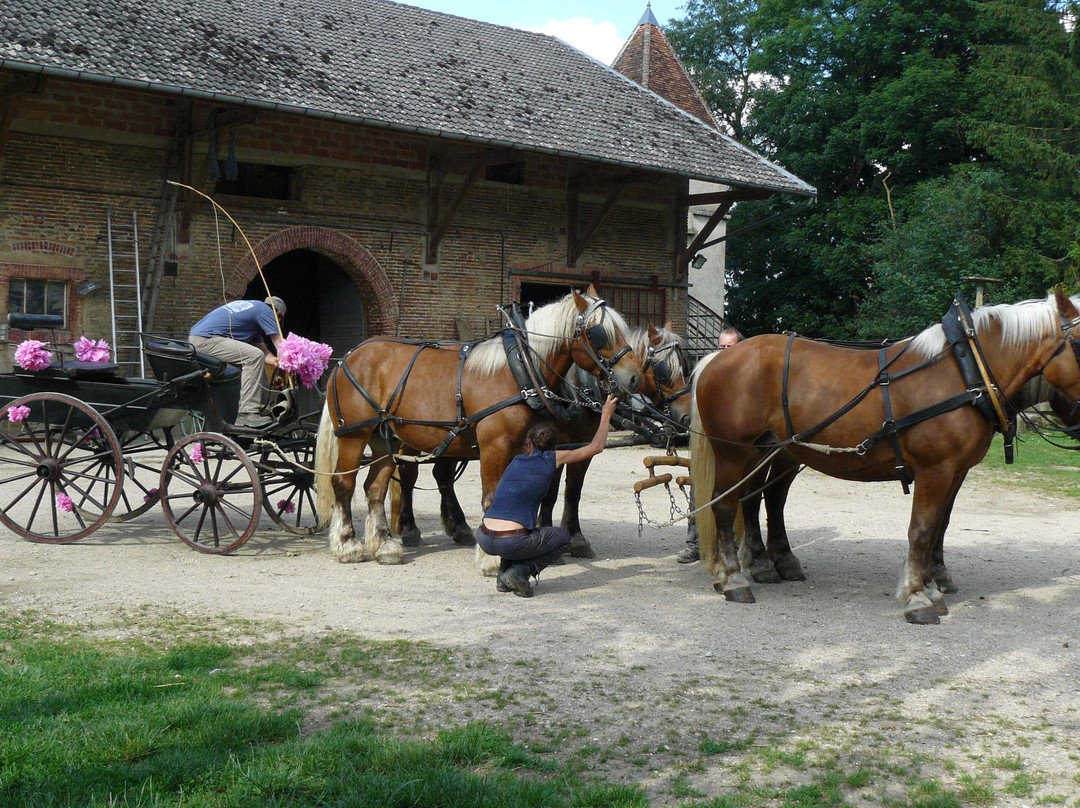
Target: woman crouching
(508,529)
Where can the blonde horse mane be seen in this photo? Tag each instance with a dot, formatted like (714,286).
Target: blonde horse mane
(1021,324)
(639,342)
(547,328)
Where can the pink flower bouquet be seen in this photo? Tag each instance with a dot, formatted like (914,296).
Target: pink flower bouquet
(307,359)
(64,503)
(88,350)
(17,414)
(33,355)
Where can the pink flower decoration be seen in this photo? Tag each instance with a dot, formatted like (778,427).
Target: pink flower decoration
(87,350)
(33,355)
(305,358)
(149,495)
(16,414)
(197,453)
(284,506)
(64,503)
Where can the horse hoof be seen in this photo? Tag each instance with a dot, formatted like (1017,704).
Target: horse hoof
(940,608)
(464,537)
(923,616)
(354,556)
(582,548)
(390,553)
(741,594)
(765,573)
(943,580)
(411,537)
(789,569)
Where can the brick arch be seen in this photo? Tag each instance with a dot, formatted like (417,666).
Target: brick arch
(380,303)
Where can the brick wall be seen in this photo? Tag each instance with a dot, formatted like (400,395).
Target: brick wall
(75,149)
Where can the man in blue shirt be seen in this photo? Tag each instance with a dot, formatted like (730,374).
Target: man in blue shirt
(236,333)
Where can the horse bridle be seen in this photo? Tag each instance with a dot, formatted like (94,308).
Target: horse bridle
(596,339)
(663,374)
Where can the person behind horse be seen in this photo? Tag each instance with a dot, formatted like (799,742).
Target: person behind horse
(236,333)
(508,529)
(692,552)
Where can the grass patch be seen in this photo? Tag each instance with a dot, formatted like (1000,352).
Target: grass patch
(1037,465)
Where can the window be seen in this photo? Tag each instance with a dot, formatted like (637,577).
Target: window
(262,181)
(32,296)
(510,173)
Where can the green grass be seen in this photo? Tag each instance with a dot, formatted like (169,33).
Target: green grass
(1037,465)
(100,723)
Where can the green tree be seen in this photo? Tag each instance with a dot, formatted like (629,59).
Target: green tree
(715,42)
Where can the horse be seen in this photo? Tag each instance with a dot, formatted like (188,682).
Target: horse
(775,562)
(405,397)
(664,384)
(902,412)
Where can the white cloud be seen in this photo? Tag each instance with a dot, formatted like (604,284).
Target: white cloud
(600,40)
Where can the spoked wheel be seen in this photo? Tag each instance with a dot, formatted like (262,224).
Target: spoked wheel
(210,493)
(289,483)
(60,468)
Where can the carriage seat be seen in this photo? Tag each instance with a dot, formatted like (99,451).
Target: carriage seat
(170,359)
(74,369)
(34,322)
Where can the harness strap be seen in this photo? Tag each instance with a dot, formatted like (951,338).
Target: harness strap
(964,399)
(890,425)
(784,388)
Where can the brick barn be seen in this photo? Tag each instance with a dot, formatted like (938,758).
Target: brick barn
(394,170)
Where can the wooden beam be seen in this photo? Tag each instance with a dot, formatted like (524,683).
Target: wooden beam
(734,195)
(488,158)
(718,216)
(575,248)
(225,120)
(442,224)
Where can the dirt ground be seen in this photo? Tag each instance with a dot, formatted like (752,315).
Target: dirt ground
(643,664)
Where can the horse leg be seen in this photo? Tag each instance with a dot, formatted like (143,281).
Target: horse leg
(938,571)
(575,479)
(343,543)
(782,473)
(410,533)
(381,545)
(752,555)
(490,472)
(444,470)
(933,497)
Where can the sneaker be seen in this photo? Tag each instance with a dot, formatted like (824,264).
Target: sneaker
(253,421)
(688,556)
(516,580)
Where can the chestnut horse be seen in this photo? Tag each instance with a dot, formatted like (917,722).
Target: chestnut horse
(399,397)
(900,413)
(664,384)
(776,562)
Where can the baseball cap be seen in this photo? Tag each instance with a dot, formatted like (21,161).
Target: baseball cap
(275,302)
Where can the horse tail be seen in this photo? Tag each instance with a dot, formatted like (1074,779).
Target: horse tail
(703,474)
(326,459)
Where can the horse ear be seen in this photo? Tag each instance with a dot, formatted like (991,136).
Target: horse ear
(669,326)
(591,291)
(1064,304)
(581,303)
(654,335)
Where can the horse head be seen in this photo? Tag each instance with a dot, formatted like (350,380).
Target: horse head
(666,369)
(599,343)
(1062,369)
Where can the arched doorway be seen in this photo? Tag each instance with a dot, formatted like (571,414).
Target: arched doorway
(323,302)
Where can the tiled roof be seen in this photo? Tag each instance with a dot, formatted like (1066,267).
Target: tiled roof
(379,63)
(648,59)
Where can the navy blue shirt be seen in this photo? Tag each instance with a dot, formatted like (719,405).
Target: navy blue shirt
(522,487)
(243,320)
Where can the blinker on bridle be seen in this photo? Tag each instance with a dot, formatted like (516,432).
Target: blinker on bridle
(596,338)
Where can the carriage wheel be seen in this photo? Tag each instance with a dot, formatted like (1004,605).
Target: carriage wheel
(289,484)
(60,468)
(210,493)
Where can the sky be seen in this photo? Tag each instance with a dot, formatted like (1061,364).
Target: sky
(598,27)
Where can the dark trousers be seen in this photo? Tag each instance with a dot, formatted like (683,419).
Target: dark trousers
(542,546)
